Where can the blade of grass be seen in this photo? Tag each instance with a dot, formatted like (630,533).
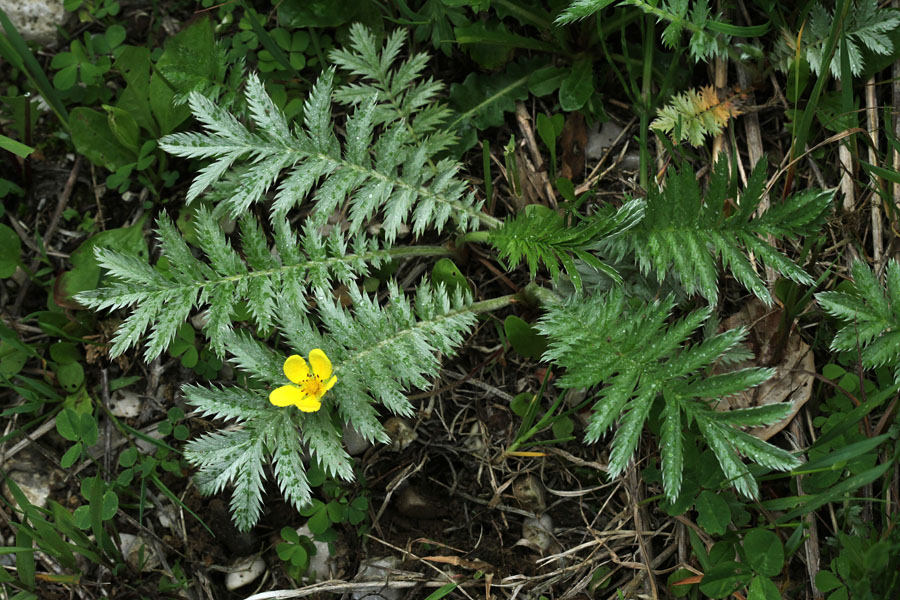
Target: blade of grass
(25,560)
(14,49)
(270,44)
(836,459)
(17,148)
(442,591)
(801,132)
(837,492)
(171,496)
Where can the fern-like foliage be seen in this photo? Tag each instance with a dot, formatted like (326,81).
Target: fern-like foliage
(392,171)
(639,358)
(581,9)
(686,233)
(540,235)
(873,315)
(710,37)
(695,114)
(401,95)
(865,25)
(378,352)
(165,294)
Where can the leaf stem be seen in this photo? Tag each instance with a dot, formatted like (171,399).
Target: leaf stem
(408,251)
(473,237)
(492,304)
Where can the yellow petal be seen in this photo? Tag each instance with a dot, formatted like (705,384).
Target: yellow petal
(286,395)
(321,366)
(329,384)
(295,368)
(308,404)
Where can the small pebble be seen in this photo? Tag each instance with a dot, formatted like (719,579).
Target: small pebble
(410,502)
(34,486)
(530,493)
(538,533)
(321,565)
(600,138)
(402,435)
(138,552)
(244,572)
(36,20)
(125,404)
(354,442)
(377,569)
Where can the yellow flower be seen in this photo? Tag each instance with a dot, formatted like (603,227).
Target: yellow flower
(310,386)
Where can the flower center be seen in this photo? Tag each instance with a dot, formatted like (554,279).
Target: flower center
(312,386)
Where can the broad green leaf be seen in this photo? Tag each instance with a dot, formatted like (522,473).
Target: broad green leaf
(71,455)
(546,80)
(724,579)
(447,273)
(124,127)
(524,338)
(827,581)
(70,376)
(10,251)
(764,552)
(762,588)
(319,522)
(85,274)
(713,513)
(190,59)
(576,89)
(67,423)
(93,138)
(162,102)
(65,352)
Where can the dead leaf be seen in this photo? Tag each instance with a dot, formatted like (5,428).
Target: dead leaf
(529,180)
(475,565)
(572,142)
(794,367)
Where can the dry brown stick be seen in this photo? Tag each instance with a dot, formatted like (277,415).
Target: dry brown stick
(409,555)
(811,544)
(61,202)
(754,145)
(523,121)
(872,123)
(895,102)
(639,576)
(29,438)
(593,177)
(720,80)
(638,516)
(23,235)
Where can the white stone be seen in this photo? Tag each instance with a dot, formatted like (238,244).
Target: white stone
(321,565)
(354,442)
(244,572)
(125,404)
(138,552)
(35,487)
(36,20)
(600,138)
(474,442)
(402,435)
(377,569)
(149,447)
(530,493)
(537,533)
(200,320)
